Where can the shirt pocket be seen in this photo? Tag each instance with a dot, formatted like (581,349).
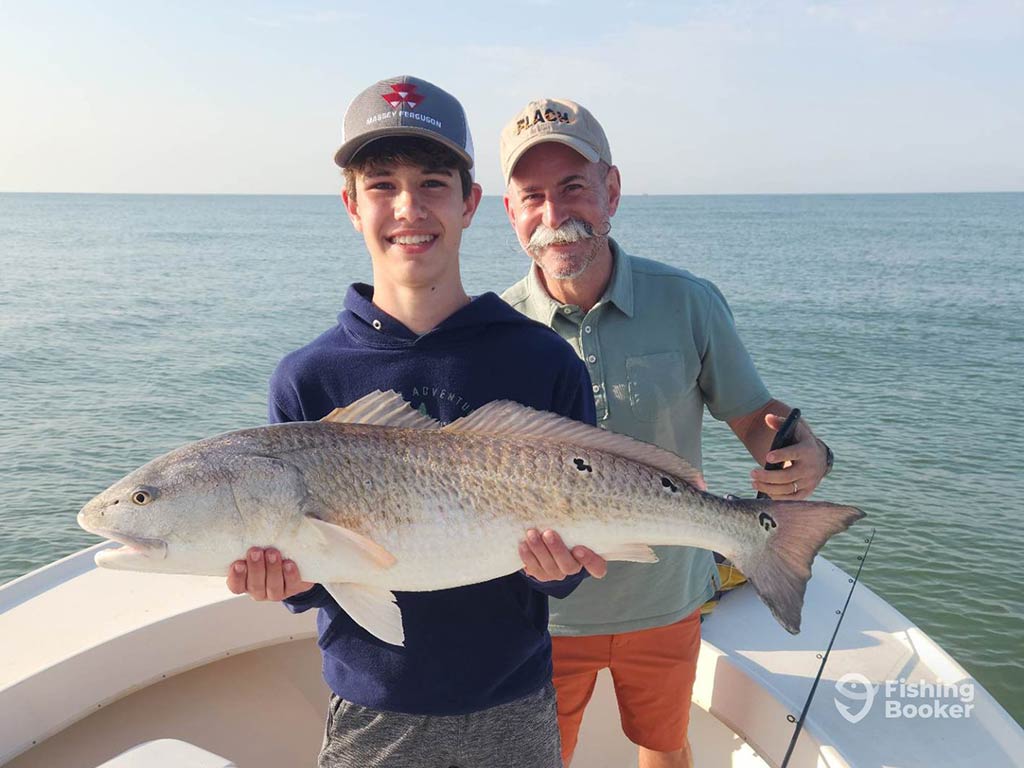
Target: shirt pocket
(655,383)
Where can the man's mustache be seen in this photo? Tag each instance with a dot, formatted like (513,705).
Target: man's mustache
(571,231)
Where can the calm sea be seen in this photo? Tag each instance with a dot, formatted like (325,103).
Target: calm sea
(132,324)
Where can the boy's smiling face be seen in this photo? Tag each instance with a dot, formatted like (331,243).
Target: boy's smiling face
(411,218)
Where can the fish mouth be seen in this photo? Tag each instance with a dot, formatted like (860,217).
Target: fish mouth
(138,544)
(131,546)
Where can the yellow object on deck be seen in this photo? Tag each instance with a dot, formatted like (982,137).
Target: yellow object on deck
(729,577)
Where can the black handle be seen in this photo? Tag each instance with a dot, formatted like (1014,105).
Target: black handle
(785,437)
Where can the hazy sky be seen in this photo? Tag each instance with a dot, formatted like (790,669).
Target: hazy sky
(696,97)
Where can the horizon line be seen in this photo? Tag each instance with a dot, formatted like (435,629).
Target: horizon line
(633,194)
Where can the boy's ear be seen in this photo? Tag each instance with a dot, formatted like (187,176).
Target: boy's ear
(352,206)
(470,204)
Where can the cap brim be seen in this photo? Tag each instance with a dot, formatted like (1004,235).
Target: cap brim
(351,148)
(579,145)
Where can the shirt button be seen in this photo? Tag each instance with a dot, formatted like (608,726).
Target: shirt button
(592,359)
(567,310)
(376,324)
(597,388)
(586,329)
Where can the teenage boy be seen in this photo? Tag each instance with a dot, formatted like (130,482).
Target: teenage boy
(472,685)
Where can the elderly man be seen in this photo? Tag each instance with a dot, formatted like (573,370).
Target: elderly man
(659,344)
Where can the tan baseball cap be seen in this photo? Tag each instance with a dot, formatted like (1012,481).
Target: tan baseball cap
(558,120)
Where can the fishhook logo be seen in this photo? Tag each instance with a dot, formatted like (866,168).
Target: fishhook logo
(856,687)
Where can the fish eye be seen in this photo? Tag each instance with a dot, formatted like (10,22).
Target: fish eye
(141,497)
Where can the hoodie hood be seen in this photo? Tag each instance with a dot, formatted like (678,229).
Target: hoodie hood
(369,326)
(484,351)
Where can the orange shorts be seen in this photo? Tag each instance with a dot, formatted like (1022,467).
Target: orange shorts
(653,671)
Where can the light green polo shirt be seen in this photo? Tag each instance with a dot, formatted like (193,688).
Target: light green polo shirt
(659,345)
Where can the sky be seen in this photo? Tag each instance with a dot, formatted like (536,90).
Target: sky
(822,96)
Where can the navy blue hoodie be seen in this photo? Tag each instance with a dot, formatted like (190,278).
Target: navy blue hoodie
(469,648)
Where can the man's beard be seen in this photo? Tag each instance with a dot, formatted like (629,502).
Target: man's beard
(564,267)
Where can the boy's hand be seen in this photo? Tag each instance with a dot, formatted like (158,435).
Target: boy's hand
(265,575)
(546,558)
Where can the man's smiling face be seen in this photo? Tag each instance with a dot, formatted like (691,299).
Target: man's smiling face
(560,205)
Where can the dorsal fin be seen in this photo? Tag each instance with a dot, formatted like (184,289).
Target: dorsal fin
(383,409)
(507,419)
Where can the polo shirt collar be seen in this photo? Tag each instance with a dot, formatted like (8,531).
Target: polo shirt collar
(539,304)
(619,292)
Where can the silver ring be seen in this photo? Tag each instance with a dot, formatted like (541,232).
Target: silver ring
(795,488)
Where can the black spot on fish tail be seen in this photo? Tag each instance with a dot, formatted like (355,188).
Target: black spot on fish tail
(582,466)
(666,483)
(767,521)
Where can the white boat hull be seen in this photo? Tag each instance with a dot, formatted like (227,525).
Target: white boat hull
(95,662)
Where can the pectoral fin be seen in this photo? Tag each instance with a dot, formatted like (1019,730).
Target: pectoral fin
(345,539)
(372,608)
(631,553)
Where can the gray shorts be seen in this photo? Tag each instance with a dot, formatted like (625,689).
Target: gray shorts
(520,734)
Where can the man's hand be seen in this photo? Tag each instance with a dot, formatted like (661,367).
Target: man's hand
(265,575)
(804,465)
(546,558)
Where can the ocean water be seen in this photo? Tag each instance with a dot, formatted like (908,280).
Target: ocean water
(132,324)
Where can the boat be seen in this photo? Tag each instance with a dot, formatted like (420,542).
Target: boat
(123,670)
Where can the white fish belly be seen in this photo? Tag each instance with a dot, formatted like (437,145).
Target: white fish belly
(461,545)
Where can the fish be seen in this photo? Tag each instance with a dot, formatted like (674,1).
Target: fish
(376,498)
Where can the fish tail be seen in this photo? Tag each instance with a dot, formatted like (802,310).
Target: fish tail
(780,568)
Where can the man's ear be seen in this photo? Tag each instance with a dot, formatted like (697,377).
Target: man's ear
(352,206)
(510,210)
(613,184)
(470,204)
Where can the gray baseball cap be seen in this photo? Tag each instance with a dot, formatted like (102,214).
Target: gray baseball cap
(405,106)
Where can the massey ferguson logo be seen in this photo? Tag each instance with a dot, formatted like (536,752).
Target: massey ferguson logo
(403,95)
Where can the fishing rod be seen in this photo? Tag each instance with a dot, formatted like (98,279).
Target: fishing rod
(824,658)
